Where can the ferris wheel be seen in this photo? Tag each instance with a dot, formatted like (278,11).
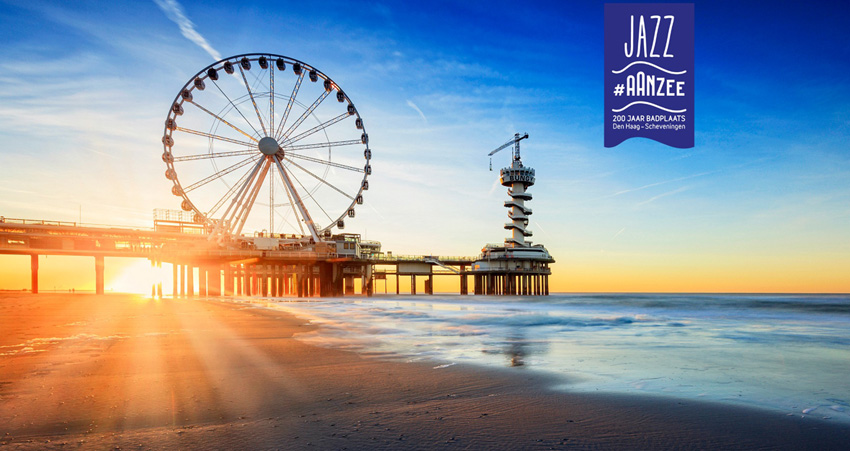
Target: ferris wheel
(249,144)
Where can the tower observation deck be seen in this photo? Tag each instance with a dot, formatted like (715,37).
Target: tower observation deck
(516,267)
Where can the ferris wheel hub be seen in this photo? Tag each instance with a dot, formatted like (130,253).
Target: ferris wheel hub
(268,146)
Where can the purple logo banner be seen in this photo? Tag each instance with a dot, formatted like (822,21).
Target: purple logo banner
(649,73)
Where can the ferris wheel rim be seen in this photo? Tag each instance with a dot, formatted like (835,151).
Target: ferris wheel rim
(284,138)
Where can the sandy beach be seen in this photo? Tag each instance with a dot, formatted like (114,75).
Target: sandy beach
(121,371)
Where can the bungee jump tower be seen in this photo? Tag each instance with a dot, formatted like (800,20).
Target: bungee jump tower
(516,267)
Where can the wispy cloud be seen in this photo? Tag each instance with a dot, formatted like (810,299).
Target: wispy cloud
(542,229)
(421,114)
(650,185)
(668,193)
(174,11)
(496,184)
(617,234)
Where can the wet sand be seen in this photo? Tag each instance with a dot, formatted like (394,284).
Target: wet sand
(120,371)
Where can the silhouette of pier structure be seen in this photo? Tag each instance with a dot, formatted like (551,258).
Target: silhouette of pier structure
(249,266)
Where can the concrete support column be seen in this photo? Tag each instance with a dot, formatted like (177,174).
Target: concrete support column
(98,274)
(159,279)
(412,284)
(202,281)
(277,272)
(369,281)
(303,282)
(349,284)
(34,273)
(246,280)
(214,274)
(264,280)
(396,280)
(254,280)
(298,280)
(190,286)
(183,280)
(311,281)
(240,279)
(175,281)
(284,281)
(228,280)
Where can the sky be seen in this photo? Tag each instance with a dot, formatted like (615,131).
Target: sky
(760,204)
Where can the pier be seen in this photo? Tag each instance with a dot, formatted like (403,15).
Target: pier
(199,269)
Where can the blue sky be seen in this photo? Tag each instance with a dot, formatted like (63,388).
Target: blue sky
(85,87)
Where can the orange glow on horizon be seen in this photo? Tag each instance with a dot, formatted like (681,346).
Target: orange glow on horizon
(581,273)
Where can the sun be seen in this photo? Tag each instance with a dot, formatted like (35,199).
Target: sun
(138,276)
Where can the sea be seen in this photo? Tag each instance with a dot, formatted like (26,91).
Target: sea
(786,353)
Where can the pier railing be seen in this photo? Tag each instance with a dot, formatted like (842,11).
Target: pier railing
(420,258)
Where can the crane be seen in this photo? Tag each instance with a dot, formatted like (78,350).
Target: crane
(514,142)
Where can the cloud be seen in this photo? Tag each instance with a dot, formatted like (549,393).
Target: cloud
(678,179)
(668,193)
(174,11)
(617,234)
(421,114)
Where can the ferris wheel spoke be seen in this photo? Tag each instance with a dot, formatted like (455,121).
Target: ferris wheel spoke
(206,156)
(315,129)
(271,102)
(244,199)
(212,136)
(311,226)
(310,195)
(219,174)
(305,114)
(222,120)
(226,221)
(236,108)
(271,204)
(329,163)
(228,194)
(350,142)
(320,179)
(291,203)
(291,100)
(253,101)
(287,221)
(246,209)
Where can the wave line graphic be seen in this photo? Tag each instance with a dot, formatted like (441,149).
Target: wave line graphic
(648,64)
(641,102)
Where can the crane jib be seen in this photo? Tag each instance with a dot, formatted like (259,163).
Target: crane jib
(515,141)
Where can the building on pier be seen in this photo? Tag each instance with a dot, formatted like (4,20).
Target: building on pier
(516,267)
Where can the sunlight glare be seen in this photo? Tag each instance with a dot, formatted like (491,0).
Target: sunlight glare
(139,277)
